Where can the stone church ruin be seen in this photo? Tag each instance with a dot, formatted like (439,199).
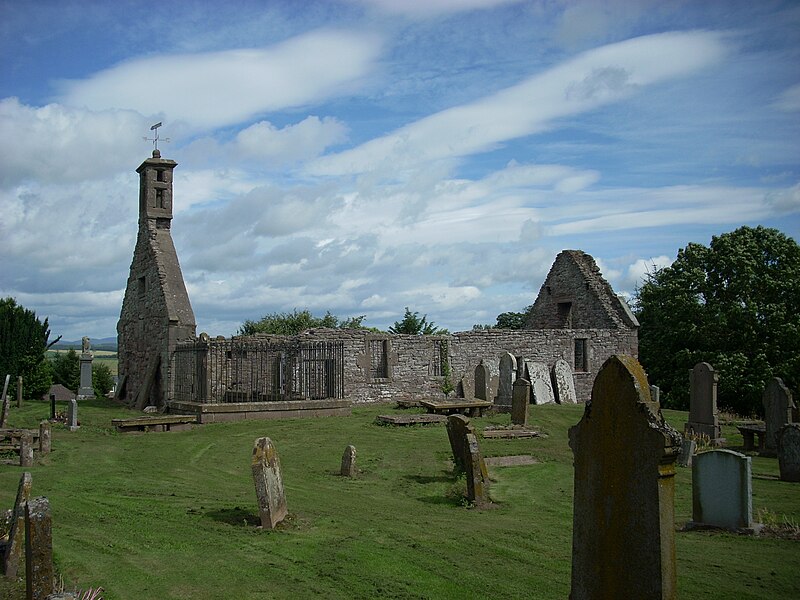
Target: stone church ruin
(576,319)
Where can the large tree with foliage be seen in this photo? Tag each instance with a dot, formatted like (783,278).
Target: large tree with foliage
(413,324)
(734,304)
(296,322)
(23,343)
(67,369)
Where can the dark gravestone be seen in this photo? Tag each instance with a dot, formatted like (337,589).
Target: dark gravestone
(623,536)
(703,419)
(349,462)
(16,536)
(269,483)
(481,382)
(458,426)
(520,400)
(477,475)
(688,449)
(39,570)
(508,369)
(563,383)
(789,452)
(778,405)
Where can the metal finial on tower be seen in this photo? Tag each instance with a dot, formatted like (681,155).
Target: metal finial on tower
(155,139)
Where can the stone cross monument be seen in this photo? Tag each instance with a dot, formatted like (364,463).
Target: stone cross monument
(86,390)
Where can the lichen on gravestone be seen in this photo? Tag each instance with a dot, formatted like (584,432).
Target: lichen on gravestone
(266,468)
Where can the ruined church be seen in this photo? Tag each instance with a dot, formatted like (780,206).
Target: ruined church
(576,317)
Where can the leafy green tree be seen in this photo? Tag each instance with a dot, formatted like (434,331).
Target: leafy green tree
(413,324)
(734,304)
(298,321)
(102,379)
(67,369)
(513,320)
(23,343)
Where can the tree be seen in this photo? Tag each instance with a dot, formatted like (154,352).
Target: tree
(734,304)
(102,379)
(413,324)
(67,370)
(513,320)
(298,321)
(23,343)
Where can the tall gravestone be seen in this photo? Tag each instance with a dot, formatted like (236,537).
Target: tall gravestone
(520,401)
(45,437)
(457,428)
(266,467)
(481,382)
(778,405)
(348,468)
(86,390)
(722,490)
(508,369)
(703,418)
(788,440)
(16,535)
(623,535)
(26,449)
(563,383)
(467,458)
(539,376)
(4,404)
(39,570)
(72,415)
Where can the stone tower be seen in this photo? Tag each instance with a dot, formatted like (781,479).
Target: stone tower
(156,312)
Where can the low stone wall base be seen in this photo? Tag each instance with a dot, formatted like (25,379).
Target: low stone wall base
(240,411)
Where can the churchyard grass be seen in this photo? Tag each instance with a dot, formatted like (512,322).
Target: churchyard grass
(174,515)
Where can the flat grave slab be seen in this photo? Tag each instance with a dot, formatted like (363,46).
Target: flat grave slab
(519,460)
(159,423)
(448,407)
(510,434)
(401,420)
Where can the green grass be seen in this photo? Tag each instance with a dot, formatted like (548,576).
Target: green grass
(172,515)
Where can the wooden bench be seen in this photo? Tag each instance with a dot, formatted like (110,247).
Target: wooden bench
(155,423)
(473,408)
(749,431)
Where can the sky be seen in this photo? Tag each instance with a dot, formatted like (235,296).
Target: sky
(363,156)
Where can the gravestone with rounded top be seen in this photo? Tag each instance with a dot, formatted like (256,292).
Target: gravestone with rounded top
(623,535)
(539,376)
(266,467)
(778,405)
(703,420)
(722,493)
(520,401)
(349,468)
(508,370)
(481,382)
(789,452)
(563,383)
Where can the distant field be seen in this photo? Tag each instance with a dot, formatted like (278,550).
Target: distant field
(105,357)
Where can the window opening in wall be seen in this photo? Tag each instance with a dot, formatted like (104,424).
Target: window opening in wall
(159,198)
(379,364)
(160,175)
(565,314)
(142,286)
(439,358)
(581,362)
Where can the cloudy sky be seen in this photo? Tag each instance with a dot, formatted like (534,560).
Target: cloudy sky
(360,156)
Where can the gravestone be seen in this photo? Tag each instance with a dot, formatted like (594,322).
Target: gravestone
(26,449)
(467,458)
(466,384)
(19,391)
(481,382)
(623,535)
(655,394)
(789,452)
(722,491)
(86,390)
(563,383)
(778,405)
(16,536)
(688,449)
(703,403)
(539,376)
(45,437)
(508,369)
(72,415)
(268,480)
(4,404)
(38,549)
(519,403)
(349,462)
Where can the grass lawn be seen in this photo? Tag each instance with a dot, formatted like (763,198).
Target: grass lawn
(173,515)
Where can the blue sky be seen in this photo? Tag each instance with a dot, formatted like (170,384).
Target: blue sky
(361,156)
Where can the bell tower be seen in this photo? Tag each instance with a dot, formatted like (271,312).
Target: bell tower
(155,191)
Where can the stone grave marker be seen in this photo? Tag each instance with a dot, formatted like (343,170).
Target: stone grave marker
(458,426)
(563,383)
(778,405)
(16,536)
(539,376)
(477,474)
(19,391)
(789,452)
(26,449)
(655,394)
(508,369)
(623,536)
(688,450)
(72,415)
(86,390)
(349,462)
(521,399)
(4,403)
(45,437)
(481,381)
(703,403)
(722,491)
(39,570)
(268,480)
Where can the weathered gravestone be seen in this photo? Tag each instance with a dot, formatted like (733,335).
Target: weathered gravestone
(467,458)
(703,419)
(789,452)
(722,491)
(688,449)
(655,394)
(72,415)
(4,404)
(778,405)
(16,536)
(563,383)
(508,369)
(481,382)
(539,376)
(349,468)
(45,437)
(623,535)
(26,449)
(86,390)
(269,483)
(39,570)
(520,400)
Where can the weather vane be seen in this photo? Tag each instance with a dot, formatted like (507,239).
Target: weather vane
(155,139)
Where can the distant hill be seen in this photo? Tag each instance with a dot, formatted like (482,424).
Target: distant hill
(109,343)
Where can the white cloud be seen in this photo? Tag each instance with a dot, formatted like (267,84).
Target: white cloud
(430,8)
(789,100)
(594,78)
(785,200)
(215,89)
